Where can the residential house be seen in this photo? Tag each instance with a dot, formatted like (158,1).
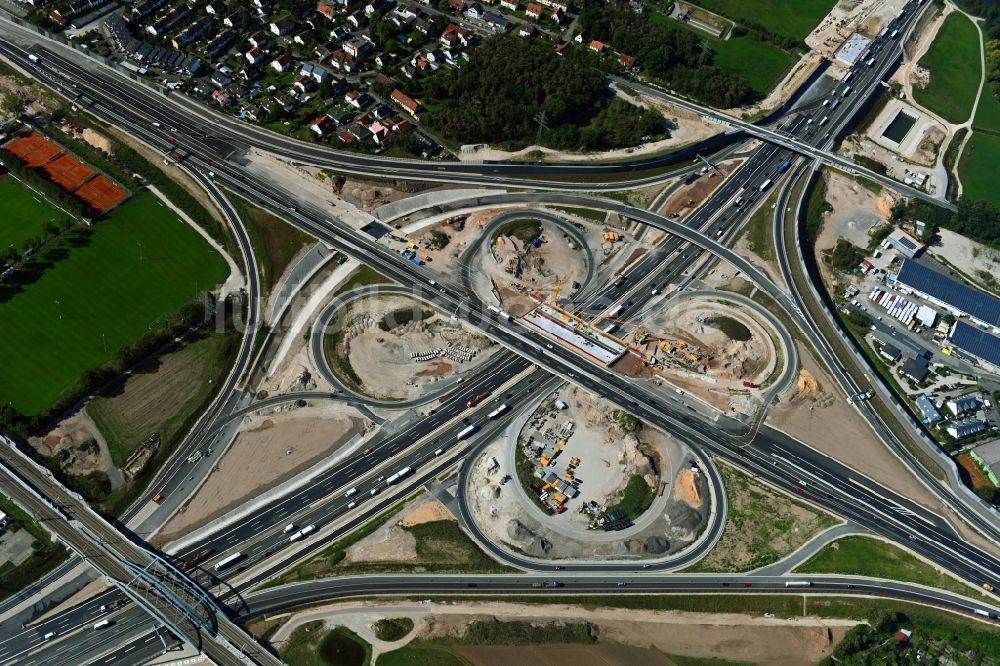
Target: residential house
(358,20)
(322,52)
(303,84)
(402,126)
(351,97)
(353,47)
(323,125)
(476,11)
(192,33)
(408,71)
(422,26)
(915,368)
(237,90)
(379,132)
(963,429)
(344,62)
(526,30)
(220,44)
(259,39)
(510,5)
(282,26)
(221,98)
(220,79)
(497,22)
(558,16)
(232,20)
(456,6)
(962,404)
(411,11)
(215,7)
(345,136)
(326,10)
(285,101)
(255,56)
(315,72)
(599,47)
(384,59)
(144,9)
(305,38)
(282,63)
(375,6)
(248,74)
(555,4)
(453,35)
(533,10)
(408,103)
(359,132)
(382,111)
(339,34)
(627,62)
(251,112)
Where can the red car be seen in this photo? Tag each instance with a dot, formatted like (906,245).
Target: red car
(798,490)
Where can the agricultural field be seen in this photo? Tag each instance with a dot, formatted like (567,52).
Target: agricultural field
(789,18)
(137,266)
(953,61)
(24,213)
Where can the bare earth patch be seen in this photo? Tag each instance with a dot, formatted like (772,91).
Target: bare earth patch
(259,459)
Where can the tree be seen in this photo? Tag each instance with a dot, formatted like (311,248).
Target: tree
(12,103)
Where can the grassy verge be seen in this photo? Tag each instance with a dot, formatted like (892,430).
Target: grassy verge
(362,277)
(311,644)
(45,556)
(275,242)
(587,213)
(762,526)
(760,227)
(864,556)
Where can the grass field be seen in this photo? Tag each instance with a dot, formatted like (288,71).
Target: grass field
(137,266)
(864,556)
(953,60)
(789,18)
(760,63)
(312,645)
(976,168)
(160,396)
(24,213)
(46,555)
(762,526)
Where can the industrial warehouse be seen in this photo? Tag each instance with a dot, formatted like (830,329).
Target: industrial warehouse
(960,300)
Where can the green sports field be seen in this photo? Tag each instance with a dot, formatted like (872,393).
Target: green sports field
(140,264)
(789,18)
(953,60)
(24,213)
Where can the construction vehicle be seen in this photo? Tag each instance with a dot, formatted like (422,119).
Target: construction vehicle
(749,384)
(693,357)
(987,587)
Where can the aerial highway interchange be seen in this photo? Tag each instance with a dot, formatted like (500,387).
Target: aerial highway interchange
(253,547)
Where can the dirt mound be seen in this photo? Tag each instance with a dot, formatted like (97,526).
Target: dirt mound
(806,386)
(884,207)
(686,489)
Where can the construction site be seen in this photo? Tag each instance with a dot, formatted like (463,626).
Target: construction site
(393,347)
(719,352)
(577,478)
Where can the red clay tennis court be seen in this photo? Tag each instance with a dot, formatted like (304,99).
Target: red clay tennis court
(34,149)
(68,172)
(101,194)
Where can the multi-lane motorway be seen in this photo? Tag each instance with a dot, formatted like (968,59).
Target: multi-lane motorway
(772,456)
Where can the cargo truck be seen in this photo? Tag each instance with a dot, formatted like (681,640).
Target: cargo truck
(498,411)
(476,399)
(797,583)
(393,478)
(223,563)
(467,432)
(766,184)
